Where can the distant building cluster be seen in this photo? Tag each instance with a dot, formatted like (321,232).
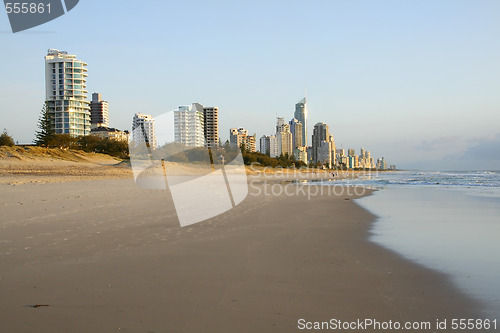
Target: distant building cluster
(291,138)
(198,126)
(195,125)
(66,99)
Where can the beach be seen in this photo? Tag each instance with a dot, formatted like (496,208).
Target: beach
(104,255)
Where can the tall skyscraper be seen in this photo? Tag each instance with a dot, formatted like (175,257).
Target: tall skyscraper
(65,93)
(148,134)
(284,138)
(321,145)
(296,129)
(189,125)
(99,113)
(269,145)
(301,115)
(333,148)
(280,121)
(211,126)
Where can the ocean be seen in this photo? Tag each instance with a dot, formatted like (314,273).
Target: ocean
(447,221)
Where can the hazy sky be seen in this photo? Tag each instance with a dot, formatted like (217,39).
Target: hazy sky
(417,82)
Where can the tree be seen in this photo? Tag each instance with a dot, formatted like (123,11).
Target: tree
(45,131)
(6,139)
(95,144)
(62,141)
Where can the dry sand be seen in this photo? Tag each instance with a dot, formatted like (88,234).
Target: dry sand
(38,165)
(108,256)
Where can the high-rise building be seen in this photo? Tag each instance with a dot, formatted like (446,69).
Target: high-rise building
(365,160)
(382,164)
(189,125)
(264,145)
(321,133)
(301,115)
(99,113)
(341,157)
(333,151)
(280,121)
(300,154)
(211,126)
(269,145)
(251,143)
(296,129)
(65,93)
(353,161)
(309,155)
(284,138)
(323,146)
(324,153)
(239,137)
(148,134)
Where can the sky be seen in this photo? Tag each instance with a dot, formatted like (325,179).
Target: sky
(417,82)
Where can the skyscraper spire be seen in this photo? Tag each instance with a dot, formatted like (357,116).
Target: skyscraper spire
(301,115)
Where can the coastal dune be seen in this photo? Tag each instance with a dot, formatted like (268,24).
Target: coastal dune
(106,255)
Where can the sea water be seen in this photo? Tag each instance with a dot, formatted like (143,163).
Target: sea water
(447,221)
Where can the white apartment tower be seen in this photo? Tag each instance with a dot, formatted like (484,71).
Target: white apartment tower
(148,134)
(189,125)
(65,93)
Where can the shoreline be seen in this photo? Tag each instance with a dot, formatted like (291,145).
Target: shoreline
(422,217)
